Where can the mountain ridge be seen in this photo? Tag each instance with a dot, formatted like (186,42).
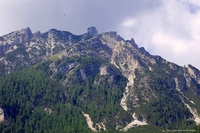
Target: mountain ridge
(143,89)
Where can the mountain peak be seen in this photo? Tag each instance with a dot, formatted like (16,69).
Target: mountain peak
(27,33)
(26,30)
(132,41)
(92,31)
(17,36)
(38,33)
(123,84)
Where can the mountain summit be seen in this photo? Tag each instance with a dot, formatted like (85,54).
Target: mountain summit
(92,82)
(92,31)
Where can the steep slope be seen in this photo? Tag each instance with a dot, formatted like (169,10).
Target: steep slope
(114,84)
(22,48)
(150,85)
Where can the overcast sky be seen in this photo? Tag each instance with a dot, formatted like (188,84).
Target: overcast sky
(169,28)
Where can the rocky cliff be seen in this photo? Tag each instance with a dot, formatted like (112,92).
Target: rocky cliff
(143,89)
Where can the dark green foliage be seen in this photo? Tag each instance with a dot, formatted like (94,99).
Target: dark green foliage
(2,68)
(168,114)
(24,96)
(99,100)
(28,95)
(165,109)
(53,98)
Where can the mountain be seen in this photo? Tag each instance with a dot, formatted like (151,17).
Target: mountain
(60,82)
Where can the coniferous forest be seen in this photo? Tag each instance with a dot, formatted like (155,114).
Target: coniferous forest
(50,82)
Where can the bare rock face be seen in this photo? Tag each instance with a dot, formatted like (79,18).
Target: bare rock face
(16,37)
(8,41)
(108,59)
(194,73)
(1,115)
(26,34)
(92,31)
(22,48)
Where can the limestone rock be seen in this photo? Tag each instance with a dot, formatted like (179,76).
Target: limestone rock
(1,115)
(92,31)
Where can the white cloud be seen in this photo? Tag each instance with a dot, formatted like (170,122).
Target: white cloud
(130,23)
(195,2)
(170,30)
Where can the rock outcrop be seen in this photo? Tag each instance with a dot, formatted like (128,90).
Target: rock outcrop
(142,85)
(92,31)
(1,115)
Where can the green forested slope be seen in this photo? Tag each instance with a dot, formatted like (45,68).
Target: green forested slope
(34,102)
(25,95)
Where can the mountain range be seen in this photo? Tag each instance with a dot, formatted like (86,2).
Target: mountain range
(94,82)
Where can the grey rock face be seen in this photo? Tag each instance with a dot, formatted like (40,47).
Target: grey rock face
(26,34)
(145,77)
(132,41)
(17,37)
(22,48)
(1,115)
(92,31)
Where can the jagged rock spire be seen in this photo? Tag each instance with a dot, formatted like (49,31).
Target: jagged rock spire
(92,31)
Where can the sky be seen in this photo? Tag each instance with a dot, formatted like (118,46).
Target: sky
(168,28)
